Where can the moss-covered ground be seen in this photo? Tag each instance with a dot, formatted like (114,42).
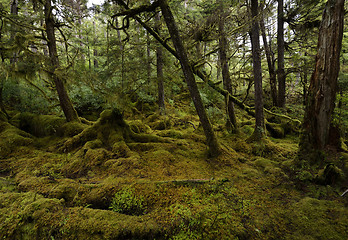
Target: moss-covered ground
(151,178)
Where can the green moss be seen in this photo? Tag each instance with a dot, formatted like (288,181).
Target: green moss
(38,125)
(275,130)
(121,149)
(317,219)
(71,129)
(11,138)
(138,126)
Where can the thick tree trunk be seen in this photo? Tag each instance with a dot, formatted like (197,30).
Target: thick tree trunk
(270,64)
(323,85)
(190,78)
(160,77)
(232,122)
(65,103)
(280,42)
(255,44)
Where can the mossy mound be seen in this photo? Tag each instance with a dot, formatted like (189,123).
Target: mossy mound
(38,125)
(31,216)
(11,138)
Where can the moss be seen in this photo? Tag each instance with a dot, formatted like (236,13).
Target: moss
(3,117)
(275,130)
(11,138)
(172,134)
(38,125)
(138,126)
(317,219)
(71,129)
(330,175)
(96,143)
(121,149)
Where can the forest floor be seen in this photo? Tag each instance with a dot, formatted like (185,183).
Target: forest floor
(99,181)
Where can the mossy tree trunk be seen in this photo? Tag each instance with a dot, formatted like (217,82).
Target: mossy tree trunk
(322,91)
(64,100)
(160,77)
(257,71)
(280,42)
(190,78)
(232,122)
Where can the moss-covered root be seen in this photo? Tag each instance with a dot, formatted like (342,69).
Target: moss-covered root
(109,129)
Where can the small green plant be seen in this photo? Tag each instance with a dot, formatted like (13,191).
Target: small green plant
(126,202)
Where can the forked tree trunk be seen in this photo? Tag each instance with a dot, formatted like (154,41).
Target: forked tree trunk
(159,56)
(255,44)
(190,78)
(323,85)
(64,100)
(232,122)
(280,42)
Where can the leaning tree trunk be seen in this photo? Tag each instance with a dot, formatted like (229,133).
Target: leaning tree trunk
(323,86)
(232,122)
(255,44)
(190,78)
(280,42)
(65,103)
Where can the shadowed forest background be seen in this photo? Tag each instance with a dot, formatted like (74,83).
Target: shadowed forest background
(173,119)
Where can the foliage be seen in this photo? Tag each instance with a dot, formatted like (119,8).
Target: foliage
(127,202)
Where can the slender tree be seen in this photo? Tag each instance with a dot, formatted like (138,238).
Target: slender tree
(318,129)
(190,78)
(270,63)
(223,45)
(159,57)
(65,103)
(280,42)
(256,52)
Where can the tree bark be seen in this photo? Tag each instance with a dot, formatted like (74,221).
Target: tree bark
(256,52)
(14,11)
(270,64)
(212,142)
(160,77)
(65,103)
(232,122)
(323,84)
(148,60)
(280,42)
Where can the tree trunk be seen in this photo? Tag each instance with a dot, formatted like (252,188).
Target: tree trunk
(280,42)
(159,56)
(148,61)
(122,55)
(14,11)
(232,122)
(270,64)
(65,103)
(255,45)
(323,84)
(190,79)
